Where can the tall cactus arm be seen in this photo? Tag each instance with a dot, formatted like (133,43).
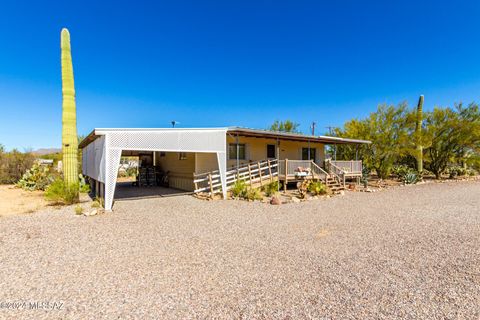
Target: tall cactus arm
(418,135)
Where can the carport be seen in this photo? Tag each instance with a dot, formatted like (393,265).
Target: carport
(102,150)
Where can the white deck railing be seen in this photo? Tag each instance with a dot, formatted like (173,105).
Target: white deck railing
(296,168)
(352,167)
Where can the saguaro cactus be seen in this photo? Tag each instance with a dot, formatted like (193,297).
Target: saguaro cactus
(69,114)
(418,135)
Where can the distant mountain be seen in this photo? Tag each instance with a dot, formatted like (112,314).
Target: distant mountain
(43,151)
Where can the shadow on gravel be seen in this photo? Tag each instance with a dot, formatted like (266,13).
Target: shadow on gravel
(127,191)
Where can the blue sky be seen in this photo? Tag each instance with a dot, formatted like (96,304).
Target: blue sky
(220,63)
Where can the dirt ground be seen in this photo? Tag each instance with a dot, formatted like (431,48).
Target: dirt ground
(17,201)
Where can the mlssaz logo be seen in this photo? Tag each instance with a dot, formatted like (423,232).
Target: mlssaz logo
(31,305)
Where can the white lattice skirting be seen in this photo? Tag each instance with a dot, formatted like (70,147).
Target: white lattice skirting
(101,157)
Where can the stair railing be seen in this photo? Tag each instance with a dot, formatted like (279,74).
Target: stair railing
(337,172)
(317,170)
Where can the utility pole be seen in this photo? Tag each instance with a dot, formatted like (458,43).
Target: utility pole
(330,129)
(313,127)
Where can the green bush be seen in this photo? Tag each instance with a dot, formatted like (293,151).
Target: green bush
(84,187)
(253,194)
(61,192)
(36,178)
(457,171)
(271,188)
(401,170)
(317,188)
(239,189)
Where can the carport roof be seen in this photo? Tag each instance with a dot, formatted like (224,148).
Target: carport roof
(245,132)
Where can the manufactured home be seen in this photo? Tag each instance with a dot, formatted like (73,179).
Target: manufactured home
(211,159)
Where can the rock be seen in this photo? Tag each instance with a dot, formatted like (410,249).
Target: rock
(275,201)
(91,213)
(342,193)
(295,200)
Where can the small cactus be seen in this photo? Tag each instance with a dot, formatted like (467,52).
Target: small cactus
(410,178)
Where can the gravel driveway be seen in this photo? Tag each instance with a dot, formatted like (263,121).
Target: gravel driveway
(409,252)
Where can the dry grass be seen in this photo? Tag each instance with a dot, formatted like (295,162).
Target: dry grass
(18,201)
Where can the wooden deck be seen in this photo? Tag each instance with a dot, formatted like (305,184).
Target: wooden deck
(257,174)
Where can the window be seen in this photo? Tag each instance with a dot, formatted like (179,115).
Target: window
(305,154)
(182,156)
(271,148)
(232,151)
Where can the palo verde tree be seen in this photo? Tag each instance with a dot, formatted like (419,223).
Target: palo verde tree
(452,135)
(387,128)
(69,114)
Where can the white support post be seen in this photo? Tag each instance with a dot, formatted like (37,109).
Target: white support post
(112,162)
(222,168)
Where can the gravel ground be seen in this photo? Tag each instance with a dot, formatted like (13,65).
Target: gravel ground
(408,252)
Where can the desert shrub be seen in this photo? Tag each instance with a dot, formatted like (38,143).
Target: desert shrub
(14,164)
(472,172)
(456,171)
(410,178)
(38,177)
(253,194)
(239,189)
(131,171)
(401,170)
(61,192)
(78,209)
(317,188)
(97,202)
(84,187)
(271,188)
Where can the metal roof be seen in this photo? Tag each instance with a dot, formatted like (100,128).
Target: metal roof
(293,136)
(246,132)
